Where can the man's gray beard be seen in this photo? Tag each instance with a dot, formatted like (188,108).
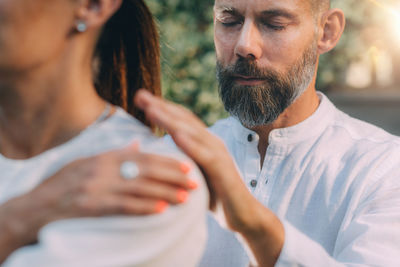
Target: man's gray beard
(262,104)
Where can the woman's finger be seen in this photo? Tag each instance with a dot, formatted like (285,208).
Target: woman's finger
(130,205)
(176,175)
(161,168)
(147,188)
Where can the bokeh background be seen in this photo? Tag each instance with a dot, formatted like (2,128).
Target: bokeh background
(361,76)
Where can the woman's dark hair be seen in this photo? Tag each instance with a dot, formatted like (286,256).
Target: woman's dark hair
(127,57)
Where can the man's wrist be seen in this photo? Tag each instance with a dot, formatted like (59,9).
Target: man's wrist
(264,234)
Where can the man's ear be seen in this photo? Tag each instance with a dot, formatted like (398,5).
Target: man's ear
(332,24)
(95,13)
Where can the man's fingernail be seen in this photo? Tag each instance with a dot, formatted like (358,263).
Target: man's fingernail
(185,168)
(182,196)
(161,206)
(192,184)
(145,92)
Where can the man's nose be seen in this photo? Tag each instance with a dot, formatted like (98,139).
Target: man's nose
(249,44)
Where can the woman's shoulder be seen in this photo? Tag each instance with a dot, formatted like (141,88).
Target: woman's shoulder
(121,122)
(123,126)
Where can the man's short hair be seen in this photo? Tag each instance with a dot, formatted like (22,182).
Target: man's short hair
(320,5)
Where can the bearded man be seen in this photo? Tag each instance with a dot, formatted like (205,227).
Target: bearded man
(318,188)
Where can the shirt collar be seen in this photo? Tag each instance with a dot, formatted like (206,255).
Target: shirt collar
(312,126)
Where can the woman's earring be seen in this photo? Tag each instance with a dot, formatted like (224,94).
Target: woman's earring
(81,26)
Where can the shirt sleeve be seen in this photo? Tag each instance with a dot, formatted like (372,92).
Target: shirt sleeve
(175,238)
(370,238)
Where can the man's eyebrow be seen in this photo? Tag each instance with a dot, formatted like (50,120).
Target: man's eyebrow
(279,13)
(227,9)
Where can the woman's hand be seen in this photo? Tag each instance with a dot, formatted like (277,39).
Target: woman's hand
(93,187)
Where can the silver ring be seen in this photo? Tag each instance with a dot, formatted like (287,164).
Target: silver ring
(129,170)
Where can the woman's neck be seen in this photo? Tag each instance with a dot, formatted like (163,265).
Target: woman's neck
(45,108)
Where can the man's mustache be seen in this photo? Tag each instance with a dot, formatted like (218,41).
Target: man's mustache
(249,68)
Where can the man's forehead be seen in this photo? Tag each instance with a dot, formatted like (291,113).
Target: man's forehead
(260,5)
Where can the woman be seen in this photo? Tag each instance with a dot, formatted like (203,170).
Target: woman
(61,63)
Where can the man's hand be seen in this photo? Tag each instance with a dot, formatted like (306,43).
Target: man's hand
(244,214)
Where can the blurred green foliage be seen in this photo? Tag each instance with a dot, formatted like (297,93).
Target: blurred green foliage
(367,25)
(188,58)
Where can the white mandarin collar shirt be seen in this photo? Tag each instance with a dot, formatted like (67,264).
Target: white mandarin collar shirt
(308,129)
(333,180)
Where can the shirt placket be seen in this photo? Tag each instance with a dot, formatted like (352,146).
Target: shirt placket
(268,174)
(252,162)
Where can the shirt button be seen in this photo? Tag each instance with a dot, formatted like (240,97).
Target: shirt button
(253,183)
(250,138)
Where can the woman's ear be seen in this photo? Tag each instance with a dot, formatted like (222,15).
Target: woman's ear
(95,13)
(332,24)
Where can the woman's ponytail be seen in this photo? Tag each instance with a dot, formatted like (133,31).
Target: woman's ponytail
(128,57)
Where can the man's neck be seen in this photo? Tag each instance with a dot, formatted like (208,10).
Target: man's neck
(44,108)
(299,111)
